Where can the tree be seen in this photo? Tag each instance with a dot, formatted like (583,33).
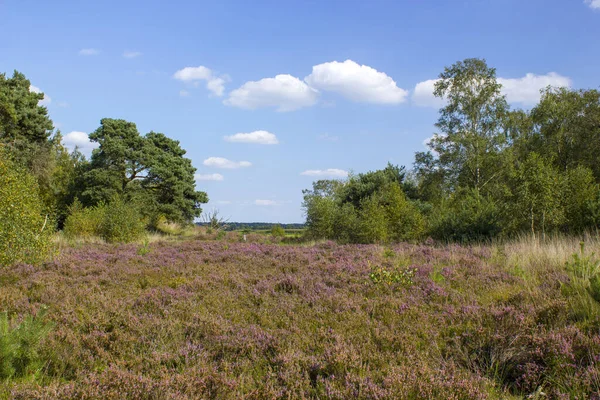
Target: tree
(362,186)
(467,149)
(24,124)
(151,170)
(24,230)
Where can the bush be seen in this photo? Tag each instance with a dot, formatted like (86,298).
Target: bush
(277,231)
(20,345)
(83,222)
(113,222)
(24,230)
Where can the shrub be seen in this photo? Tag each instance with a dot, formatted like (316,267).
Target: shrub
(83,222)
(114,222)
(277,231)
(20,345)
(121,222)
(24,231)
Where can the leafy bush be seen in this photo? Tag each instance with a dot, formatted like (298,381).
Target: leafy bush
(468,216)
(389,276)
(121,222)
(20,345)
(24,231)
(83,222)
(114,222)
(277,231)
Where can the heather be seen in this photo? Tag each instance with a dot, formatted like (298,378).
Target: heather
(228,319)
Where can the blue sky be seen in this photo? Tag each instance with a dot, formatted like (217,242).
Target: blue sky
(333,86)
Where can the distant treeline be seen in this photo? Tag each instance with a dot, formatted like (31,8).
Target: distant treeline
(253,226)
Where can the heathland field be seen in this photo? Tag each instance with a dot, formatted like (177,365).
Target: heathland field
(224,319)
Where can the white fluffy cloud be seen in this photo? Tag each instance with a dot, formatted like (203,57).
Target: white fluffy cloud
(46,100)
(595,4)
(423,95)
(208,177)
(131,54)
(330,172)
(285,92)
(79,140)
(89,52)
(214,83)
(525,90)
(356,82)
(265,202)
(258,137)
(220,162)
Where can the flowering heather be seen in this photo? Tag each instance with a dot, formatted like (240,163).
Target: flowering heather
(221,320)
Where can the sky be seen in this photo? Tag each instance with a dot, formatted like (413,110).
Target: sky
(268,96)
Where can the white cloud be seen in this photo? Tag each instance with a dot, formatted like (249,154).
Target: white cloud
(208,177)
(330,172)
(46,100)
(526,90)
(220,162)
(79,140)
(258,137)
(594,4)
(224,202)
(356,82)
(216,84)
(63,104)
(266,202)
(285,92)
(89,52)
(184,93)
(131,54)
(423,95)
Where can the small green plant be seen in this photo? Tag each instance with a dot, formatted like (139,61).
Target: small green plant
(144,248)
(143,282)
(389,253)
(583,290)
(221,235)
(277,231)
(437,276)
(383,275)
(20,346)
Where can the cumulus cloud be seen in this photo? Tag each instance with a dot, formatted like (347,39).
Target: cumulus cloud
(79,140)
(46,100)
(423,94)
(265,202)
(214,83)
(284,92)
(89,52)
(329,138)
(258,137)
(208,177)
(525,90)
(220,162)
(594,4)
(330,172)
(356,82)
(131,54)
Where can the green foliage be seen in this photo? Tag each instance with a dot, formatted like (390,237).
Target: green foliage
(277,231)
(389,276)
(583,290)
(20,346)
(383,214)
(150,170)
(24,231)
(83,222)
(144,248)
(466,216)
(116,221)
(122,222)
